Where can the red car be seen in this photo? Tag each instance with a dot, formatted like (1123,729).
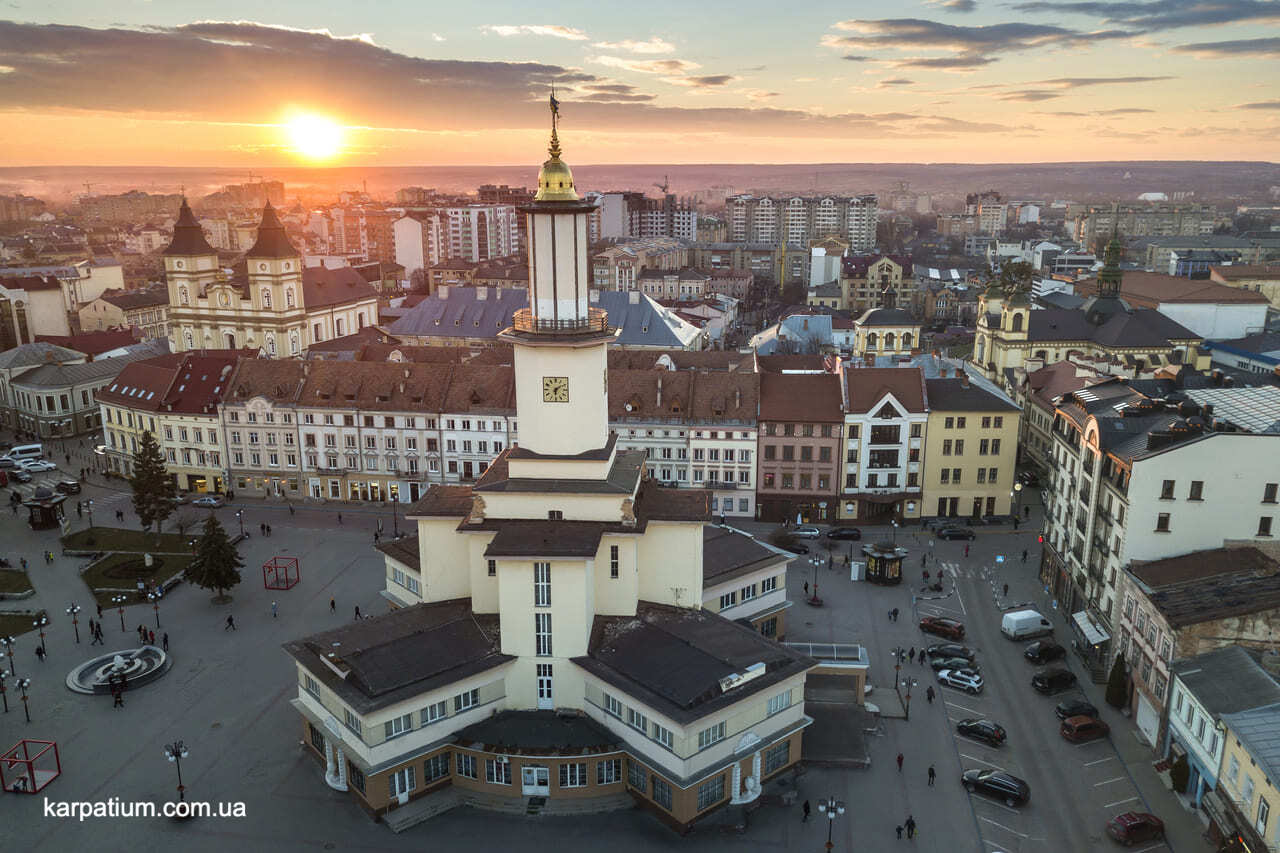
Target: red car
(1081,729)
(1135,826)
(949,628)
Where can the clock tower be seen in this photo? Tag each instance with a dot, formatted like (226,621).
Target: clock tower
(561,341)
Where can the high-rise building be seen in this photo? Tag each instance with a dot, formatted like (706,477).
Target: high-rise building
(1144,220)
(797,220)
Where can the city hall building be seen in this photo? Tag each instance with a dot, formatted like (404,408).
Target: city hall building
(548,643)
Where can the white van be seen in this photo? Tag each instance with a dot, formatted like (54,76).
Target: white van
(25,451)
(1024,624)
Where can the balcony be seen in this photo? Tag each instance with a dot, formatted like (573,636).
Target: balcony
(597,321)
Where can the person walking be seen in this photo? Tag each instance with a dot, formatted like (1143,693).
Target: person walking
(805,809)
(23,561)
(966,550)
(333,606)
(151,638)
(1024,555)
(923,558)
(911,826)
(164,642)
(339,518)
(899,762)
(290,509)
(895,614)
(119,698)
(928,694)
(274,612)
(1026,512)
(898,828)
(806,587)
(262,528)
(97,636)
(1006,590)
(79,510)
(926,577)
(268,529)
(357,612)
(40,653)
(932,775)
(24,565)
(231,623)
(911,655)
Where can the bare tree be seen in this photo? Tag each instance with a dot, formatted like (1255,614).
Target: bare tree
(183,523)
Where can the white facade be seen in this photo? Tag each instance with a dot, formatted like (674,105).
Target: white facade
(883,449)
(471,442)
(1216,321)
(420,242)
(823,266)
(480,232)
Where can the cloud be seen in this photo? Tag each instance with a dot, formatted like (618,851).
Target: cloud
(1229,49)
(853,57)
(967,62)
(1260,105)
(953,5)
(647,66)
(609,88)
(650,46)
(1122,111)
(895,81)
(1077,82)
(1056,87)
(1029,95)
(437,37)
(760,94)
(1163,14)
(553,30)
(615,98)
(706,81)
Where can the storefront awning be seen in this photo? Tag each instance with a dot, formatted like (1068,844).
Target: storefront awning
(1094,635)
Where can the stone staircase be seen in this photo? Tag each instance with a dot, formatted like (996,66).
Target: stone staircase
(422,809)
(425,808)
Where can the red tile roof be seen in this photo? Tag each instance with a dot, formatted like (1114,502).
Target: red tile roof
(1152,289)
(322,287)
(92,343)
(800,397)
(869,385)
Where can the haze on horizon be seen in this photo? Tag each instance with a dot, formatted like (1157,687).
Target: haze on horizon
(941,81)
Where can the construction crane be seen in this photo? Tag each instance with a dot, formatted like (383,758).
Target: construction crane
(665,186)
(88,189)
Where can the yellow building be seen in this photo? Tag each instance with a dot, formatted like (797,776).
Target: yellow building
(1260,278)
(971,448)
(1243,810)
(148,310)
(539,611)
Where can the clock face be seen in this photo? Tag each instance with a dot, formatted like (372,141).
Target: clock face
(555,389)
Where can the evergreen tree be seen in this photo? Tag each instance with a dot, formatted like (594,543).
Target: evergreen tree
(1118,684)
(1180,774)
(217,564)
(152,488)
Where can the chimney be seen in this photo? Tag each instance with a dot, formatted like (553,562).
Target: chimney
(659,392)
(633,297)
(482,293)
(593,296)
(443,290)
(737,398)
(964,377)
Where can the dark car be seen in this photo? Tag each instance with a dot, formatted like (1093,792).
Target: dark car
(1053,680)
(1075,708)
(1135,826)
(1043,651)
(986,731)
(798,548)
(21,476)
(949,628)
(951,650)
(1081,729)
(851,533)
(953,663)
(68,487)
(1028,478)
(956,533)
(997,784)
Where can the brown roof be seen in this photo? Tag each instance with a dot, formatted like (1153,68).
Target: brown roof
(725,397)
(141,386)
(1200,564)
(1152,289)
(623,359)
(869,385)
(537,538)
(451,501)
(1053,380)
(792,361)
(1239,271)
(801,397)
(129,300)
(1205,586)
(322,287)
(31,282)
(404,551)
(727,554)
(634,393)
(92,343)
(484,389)
(376,385)
(275,379)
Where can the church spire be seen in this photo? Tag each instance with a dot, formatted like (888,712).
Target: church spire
(1109,277)
(188,235)
(555,180)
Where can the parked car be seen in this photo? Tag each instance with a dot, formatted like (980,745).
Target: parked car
(1043,651)
(21,475)
(68,486)
(962,679)
(37,466)
(182,498)
(1053,680)
(6,462)
(956,533)
(997,783)
(1081,729)
(1075,708)
(1025,624)
(806,531)
(798,548)
(953,663)
(951,650)
(851,533)
(992,734)
(211,501)
(943,627)
(1135,826)
(1029,478)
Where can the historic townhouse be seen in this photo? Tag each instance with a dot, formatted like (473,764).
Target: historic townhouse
(1246,806)
(971,449)
(477,421)
(881,465)
(259,420)
(800,447)
(60,400)
(543,608)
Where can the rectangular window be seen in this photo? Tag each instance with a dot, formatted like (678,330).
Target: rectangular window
(613,706)
(466,700)
(431,713)
(637,720)
(729,599)
(777,757)
(609,771)
(1264,525)
(1197,491)
(493,568)
(466,765)
(1162,522)
(497,771)
(541,584)
(352,721)
(637,776)
(435,767)
(960,423)
(710,735)
(356,776)
(748,592)
(960,446)
(779,703)
(613,561)
(542,634)
(983,447)
(710,792)
(949,423)
(1264,812)
(398,726)
(1269,493)
(768,585)
(663,735)
(1166,490)
(573,775)
(661,792)
(946,446)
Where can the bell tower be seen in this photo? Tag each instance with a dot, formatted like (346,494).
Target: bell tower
(561,340)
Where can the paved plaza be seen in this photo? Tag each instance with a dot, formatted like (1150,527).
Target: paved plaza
(227,697)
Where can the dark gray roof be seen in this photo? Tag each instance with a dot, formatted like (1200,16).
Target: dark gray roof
(1205,586)
(404,551)
(1139,327)
(272,242)
(40,352)
(1259,730)
(64,375)
(887,317)
(531,732)
(1227,680)
(1061,299)
(728,553)
(672,659)
(622,479)
(403,653)
(535,538)
(188,235)
(953,395)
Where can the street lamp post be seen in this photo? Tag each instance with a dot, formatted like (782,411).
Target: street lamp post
(89,508)
(118,601)
(155,605)
(911,682)
(8,642)
(175,752)
(240,518)
(41,621)
(894,522)
(75,623)
(395,525)
(22,684)
(813,596)
(1016,494)
(830,807)
(4,696)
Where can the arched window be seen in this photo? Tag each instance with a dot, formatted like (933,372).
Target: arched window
(293,343)
(189,338)
(1017,322)
(888,340)
(871,340)
(183,296)
(271,345)
(982,349)
(266,297)
(360,320)
(906,340)
(288,297)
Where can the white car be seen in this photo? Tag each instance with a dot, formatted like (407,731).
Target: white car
(806,531)
(35,466)
(962,679)
(211,501)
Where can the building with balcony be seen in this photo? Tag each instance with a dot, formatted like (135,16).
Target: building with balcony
(1243,809)
(971,450)
(881,456)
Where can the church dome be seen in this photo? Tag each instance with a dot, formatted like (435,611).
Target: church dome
(555,179)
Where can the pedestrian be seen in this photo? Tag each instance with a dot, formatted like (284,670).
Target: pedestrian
(890,615)
(911,655)
(806,587)
(376,535)
(1015,522)
(923,557)
(926,576)
(119,698)
(273,610)
(40,653)
(97,636)
(79,510)
(899,762)
(119,515)
(262,528)
(1024,555)
(966,550)
(895,614)
(290,509)
(805,809)
(1026,512)
(899,829)
(23,561)
(68,458)
(1006,590)
(357,611)
(932,774)
(151,638)
(231,623)
(911,826)
(99,606)
(928,694)
(165,642)
(268,529)
(92,626)
(333,606)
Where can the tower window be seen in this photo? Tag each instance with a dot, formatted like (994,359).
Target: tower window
(555,515)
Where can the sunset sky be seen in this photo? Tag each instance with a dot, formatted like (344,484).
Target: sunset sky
(432,83)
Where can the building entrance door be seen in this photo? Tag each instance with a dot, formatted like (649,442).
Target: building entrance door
(535,781)
(545,702)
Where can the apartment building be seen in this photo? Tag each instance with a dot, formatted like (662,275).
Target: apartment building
(618,266)
(801,445)
(682,285)
(1143,220)
(971,450)
(421,239)
(796,220)
(146,310)
(477,420)
(481,232)
(881,464)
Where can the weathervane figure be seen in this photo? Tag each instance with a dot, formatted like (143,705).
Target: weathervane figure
(554,150)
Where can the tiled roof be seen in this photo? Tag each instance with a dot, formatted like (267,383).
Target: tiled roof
(404,551)
(790,361)
(481,389)
(451,501)
(278,380)
(93,343)
(680,359)
(322,287)
(1141,327)
(869,385)
(800,397)
(955,395)
(130,300)
(40,352)
(728,553)
(1205,586)
(856,266)
(272,242)
(537,538)
(31,283)
(355,342)
(887,317)
(64,375)
(1152,289)
(372,385)
(1227,680)
(1235,272)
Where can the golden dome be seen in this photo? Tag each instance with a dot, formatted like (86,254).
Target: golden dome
(555,180)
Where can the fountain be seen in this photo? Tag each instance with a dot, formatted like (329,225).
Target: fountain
(136,666)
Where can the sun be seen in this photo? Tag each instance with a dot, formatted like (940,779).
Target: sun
(315,137)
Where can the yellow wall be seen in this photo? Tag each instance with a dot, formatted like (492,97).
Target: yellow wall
(969,463)
(671,556)
(565,428)
(443,554)
(617,596)
(1263,788)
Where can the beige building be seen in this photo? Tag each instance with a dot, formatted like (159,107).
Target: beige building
(971,448)
(1246,802)
(1144,220)
(1260,278)
(537,611)
(147,310)
(271,303)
